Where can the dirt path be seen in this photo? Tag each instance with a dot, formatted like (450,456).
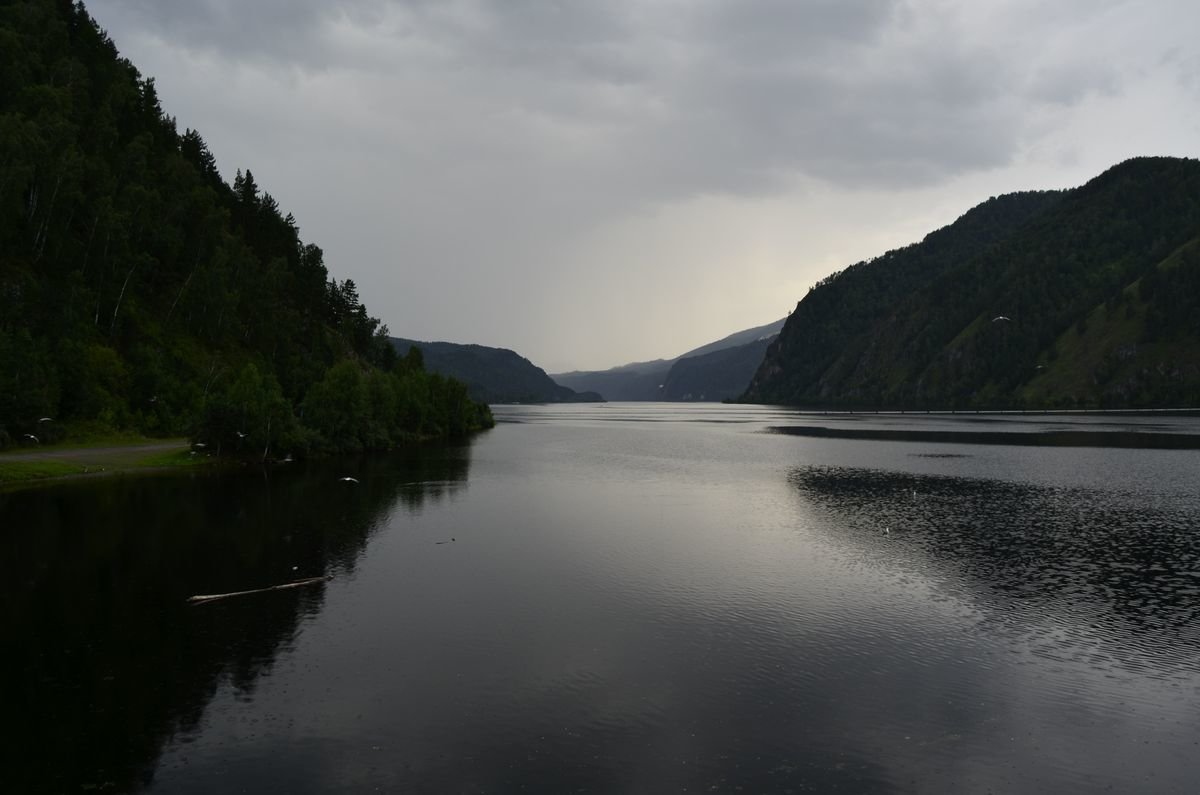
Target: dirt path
(85,454)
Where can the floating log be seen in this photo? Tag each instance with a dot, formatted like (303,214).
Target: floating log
(198,600)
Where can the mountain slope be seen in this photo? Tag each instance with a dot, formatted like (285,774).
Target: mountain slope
(1138,349)
(493,375)
(721,374)
(738,339)
(918,327)
(634,381)
(648,380)
(139,290)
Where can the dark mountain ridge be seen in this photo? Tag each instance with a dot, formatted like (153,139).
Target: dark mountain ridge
(1078,298)
(493,375)
(716,377)
(633,381)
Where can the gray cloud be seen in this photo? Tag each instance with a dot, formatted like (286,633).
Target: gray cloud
(489,141)
(274,29)
(699,97)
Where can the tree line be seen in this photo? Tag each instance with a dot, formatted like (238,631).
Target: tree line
(139,290)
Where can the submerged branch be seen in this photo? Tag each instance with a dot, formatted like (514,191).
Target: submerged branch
(196,600)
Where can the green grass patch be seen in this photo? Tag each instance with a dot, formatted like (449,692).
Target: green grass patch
(24,471)
(172,459)
(102,458)
(87,435)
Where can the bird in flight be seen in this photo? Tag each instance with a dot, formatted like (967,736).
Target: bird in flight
(1001,317)
(348,479)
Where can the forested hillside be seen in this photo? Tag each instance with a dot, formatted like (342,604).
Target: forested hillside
(139,290)
(494,375)
(1082,298)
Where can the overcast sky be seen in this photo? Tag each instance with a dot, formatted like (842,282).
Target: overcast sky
(592,183)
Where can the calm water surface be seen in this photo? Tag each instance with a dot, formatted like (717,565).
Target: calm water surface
(637,598)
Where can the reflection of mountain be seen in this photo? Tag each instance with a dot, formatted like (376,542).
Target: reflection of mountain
(106,662)
(1063,436)
(1115,571)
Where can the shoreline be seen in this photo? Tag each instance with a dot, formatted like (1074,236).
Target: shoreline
(35,467)
(26,467)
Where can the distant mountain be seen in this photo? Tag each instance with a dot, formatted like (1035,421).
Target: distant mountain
(493,375)
(722,374)
(1081,298)
(717,378)
(636,381)
(739,338)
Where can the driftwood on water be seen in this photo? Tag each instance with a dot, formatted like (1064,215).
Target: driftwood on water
(197,600)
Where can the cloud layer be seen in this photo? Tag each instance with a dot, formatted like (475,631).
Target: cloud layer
(596,182)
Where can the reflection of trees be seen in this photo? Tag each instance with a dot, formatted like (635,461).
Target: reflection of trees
(106,660)
(1141,439)
(1103,561)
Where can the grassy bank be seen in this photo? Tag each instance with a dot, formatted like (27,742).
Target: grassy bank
(95,458)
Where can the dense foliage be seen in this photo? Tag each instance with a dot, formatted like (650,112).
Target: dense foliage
(139,290)
(1029,300)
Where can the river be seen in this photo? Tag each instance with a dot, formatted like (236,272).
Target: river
(625,598)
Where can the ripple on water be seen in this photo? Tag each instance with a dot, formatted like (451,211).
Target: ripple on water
(1076,575)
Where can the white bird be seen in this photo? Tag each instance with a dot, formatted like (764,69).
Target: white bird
(240,435)
(348,479)
(887,531)
(46,419)
(1001,317)
(31,436)
(200,445)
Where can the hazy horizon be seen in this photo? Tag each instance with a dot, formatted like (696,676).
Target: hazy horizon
(591,185)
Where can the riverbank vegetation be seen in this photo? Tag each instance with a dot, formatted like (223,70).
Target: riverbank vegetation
(140,292)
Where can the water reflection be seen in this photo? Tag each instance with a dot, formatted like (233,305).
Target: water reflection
(1109,578)
(1094,436)
(630,606)
(111,661)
